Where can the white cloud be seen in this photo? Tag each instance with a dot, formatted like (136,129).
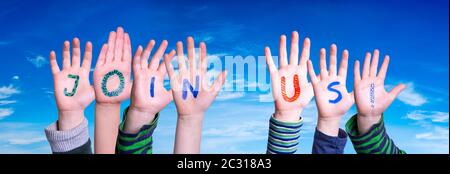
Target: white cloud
(15,77)
(38,61)
(6,102)
(411,97)
(8,91)
(433,116)
(4,112)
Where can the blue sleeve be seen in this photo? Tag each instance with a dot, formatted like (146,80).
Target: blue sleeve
(324,144)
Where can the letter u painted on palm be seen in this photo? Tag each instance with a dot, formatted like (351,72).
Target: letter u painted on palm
(296,88)
(187,85)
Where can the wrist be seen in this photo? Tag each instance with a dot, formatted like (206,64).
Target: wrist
(69,119)
(137,118)
(366,122)
(288,116)
(193,117)
(329,126)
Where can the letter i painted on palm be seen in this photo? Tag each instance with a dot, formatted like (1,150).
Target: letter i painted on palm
(75,86)
(187,85)
(152,87)
(330,88)
(296,88)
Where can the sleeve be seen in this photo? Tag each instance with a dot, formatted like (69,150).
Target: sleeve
(375,141)
(283,136)
(139,143)
(73,141)
(324,144)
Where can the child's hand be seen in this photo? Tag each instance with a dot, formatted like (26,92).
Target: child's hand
(112,73)
(191,91)
(148,96)
(370,96)
(330,92)
(192,95)
(291,89)
(73,92)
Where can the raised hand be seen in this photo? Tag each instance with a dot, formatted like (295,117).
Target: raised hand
(290,87)
(148,95)
(112,73)
(370,96)
(73,93)
(330,92)
(192,94)
(112,85)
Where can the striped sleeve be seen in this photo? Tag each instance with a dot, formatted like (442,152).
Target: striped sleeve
(375,141)
(139,143)
(283,136)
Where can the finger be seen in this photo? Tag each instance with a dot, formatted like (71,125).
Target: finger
(66,55)
(118,50)
(343,65)
(269,60)
(126,48)
(294,49)
(203,62)
(384,68)
(146,54)
(305,52)
(76,53)
(283,54)
(137,58)
(111,46)
(53,63)
(333,60)
(218,83)
(154,63)
(162,69)
(87,59)
(356,73)
(374,64)
(312,74)
(323,64)
(396,91)
(168,62)
(352,96)
(191,58)
(102,56)
(366,66)
(180,57)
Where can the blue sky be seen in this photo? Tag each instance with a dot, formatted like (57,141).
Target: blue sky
(414,33)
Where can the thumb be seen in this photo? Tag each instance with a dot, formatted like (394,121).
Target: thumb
(218,83)
(396,91)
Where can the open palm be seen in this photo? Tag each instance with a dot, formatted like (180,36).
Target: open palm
(330,92)
(289,76)
(72,89)
(112,73)
(189,104)
(148,93)
(370,95)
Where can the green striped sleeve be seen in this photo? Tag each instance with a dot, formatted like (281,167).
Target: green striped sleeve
(375,141)
(139,143)
(283,136)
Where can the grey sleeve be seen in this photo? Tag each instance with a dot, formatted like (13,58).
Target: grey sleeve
(66,141)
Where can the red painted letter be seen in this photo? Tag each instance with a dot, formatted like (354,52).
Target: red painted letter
(296,87)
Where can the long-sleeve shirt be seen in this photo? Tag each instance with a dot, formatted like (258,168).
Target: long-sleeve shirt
(77,141)
(375,141)
(73,141)
(139,143)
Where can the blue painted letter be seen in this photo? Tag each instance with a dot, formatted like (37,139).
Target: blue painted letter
(152,87)
(187,85)
(330,88)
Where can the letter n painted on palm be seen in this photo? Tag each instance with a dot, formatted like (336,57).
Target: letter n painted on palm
(330,88)
(187,85)
(296,88)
